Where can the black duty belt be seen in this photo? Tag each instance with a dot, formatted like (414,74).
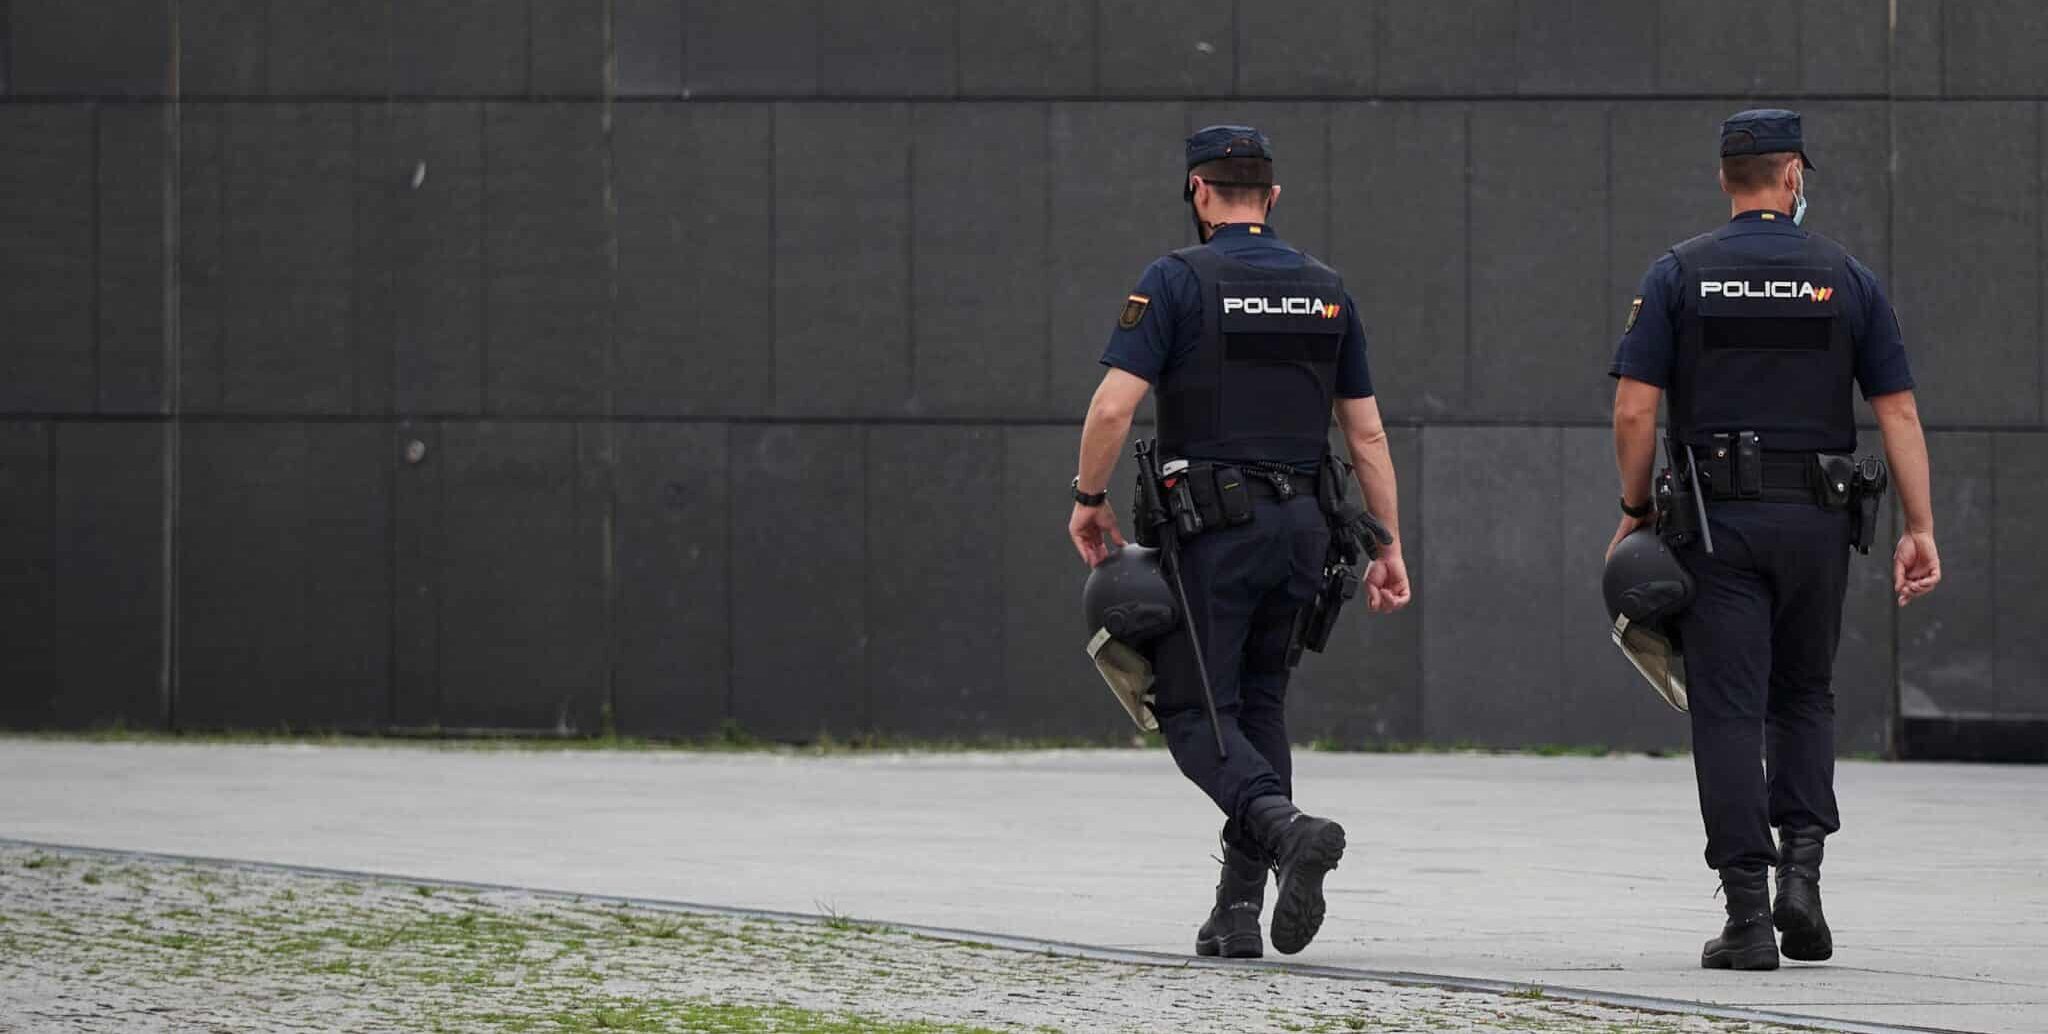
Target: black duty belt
(1788,477)
(1268,480)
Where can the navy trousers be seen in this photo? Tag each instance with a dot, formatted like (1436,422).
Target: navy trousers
(1759,645)
(1245,585)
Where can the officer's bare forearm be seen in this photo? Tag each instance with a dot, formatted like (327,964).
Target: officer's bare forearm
(1365,437)
(1374,463)
(1635,437)
(1108,424)
(1905,448)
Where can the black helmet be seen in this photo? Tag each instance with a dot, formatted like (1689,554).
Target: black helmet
(1127,595)
(1644,581)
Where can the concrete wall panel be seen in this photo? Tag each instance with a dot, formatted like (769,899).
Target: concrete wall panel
(546,259)
(695,306)
(759,48)
(1051,688)
(286,275)
(1009,49)
(458,48)
(979,176)
(1147,49)
(1587,46)
(1539,242)
(46,269)
(672,636)
(892,48)
(1992,48)
(1430,48)
(130,244)
(120,48)
(519,572)
(1110,219)
(1399,224)
(935,616)
(799,609)
(1727,48)
(422,206)
(284,594)
(1308,48)
(1948,642)
(107,642)
(1967,206)
(842,258)
(27,588)
(647,43)
(1495,605)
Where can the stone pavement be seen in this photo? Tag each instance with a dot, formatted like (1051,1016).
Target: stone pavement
(1568,872)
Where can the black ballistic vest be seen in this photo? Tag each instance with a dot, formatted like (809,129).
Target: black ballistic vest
(1262,379)
(1763,346)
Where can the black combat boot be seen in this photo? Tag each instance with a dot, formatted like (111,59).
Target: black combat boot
(1747,942)
(1301,849)
(1232,931)
(1797,913)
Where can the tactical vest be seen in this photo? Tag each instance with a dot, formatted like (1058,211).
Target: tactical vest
(1261,381)
(1764,346)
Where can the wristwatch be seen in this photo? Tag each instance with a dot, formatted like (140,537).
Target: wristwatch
(1639,512)
(1089,498)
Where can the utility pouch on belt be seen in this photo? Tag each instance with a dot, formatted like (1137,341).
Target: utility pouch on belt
(1835,479)
(1233,497)
(1145,525)
(1747,456)
(1220,495)
(1678,510)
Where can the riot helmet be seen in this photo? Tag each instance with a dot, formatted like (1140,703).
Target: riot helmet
(1646,588)
(1128,606)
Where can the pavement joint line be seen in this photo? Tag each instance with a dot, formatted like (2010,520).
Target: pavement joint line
(1065,949)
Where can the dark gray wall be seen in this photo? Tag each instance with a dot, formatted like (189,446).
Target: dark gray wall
(475,364)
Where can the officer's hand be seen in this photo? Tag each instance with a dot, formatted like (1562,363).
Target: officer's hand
(1916,566)
(1386,582)
(1093,529)
(1627,528)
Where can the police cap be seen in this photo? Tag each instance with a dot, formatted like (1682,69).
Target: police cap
(1213,142)
(1763,131)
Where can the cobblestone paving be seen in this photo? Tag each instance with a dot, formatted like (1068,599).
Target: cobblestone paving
(98,943)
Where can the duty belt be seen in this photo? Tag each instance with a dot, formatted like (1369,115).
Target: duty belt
(1788,477)
(1270,480)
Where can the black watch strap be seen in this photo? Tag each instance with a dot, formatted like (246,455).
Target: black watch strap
(1639,512)
(1089,498)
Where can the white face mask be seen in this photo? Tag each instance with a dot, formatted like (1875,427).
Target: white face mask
(1799,201)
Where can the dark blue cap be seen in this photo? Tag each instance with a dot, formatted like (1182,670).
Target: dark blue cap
(1213,142)
(1763,131)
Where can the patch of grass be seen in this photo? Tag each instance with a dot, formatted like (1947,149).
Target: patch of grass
(1532,992)
(651,1014)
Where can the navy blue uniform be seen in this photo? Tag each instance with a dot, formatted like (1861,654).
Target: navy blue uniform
(1171,328)
(1760,637)
(1245,584)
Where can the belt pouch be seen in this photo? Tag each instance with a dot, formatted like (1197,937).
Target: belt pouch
(1202,485)
(1233,496)
(1837,478)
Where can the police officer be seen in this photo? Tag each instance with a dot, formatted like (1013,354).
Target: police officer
(1756,332)
(1251,344)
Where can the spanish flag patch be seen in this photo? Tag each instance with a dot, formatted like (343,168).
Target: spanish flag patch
(1134,310)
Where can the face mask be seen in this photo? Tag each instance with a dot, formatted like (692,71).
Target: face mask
(1799,202)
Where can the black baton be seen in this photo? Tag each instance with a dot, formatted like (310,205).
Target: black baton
(1154,510)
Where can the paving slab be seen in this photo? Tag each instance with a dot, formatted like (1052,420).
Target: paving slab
(1564,872)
